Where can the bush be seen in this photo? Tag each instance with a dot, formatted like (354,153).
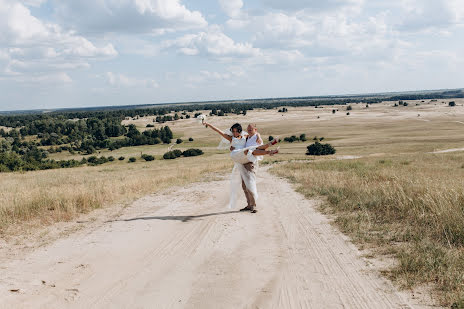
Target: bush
(271,138)
(291,139)
(169,155)
(111,158)
(318,149)
(148,157)
(150,125)
(190,139)
(452,103)
(192,152)
(349,108)
(179,141)
(303,137)
(177,153)
(121,158)
(132,159)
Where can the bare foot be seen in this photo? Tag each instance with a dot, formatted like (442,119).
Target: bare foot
(273,152)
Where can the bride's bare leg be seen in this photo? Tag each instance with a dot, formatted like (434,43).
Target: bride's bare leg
(260,152)
(266,146)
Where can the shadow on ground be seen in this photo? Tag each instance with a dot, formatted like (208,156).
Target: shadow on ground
(177,218)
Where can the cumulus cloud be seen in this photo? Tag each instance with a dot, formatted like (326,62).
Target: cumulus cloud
(128,16)
(231,7)
(121,80)
(34,47)
(291,5)
(211,43)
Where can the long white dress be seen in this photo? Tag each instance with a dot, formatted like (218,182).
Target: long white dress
(239,172)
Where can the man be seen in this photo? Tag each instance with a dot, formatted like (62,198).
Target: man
(253,139)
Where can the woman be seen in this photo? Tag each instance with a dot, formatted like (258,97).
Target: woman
(242,155)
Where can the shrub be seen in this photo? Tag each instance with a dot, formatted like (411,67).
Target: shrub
(303,137)
(179,141)
(132,159)
(349,108)
(190,139)
(148,157)
(452,103)
(271,138)
(121,158)
(192,152)
(150,125)
(291,139)
(177,153)
(169,155)
(318,149)
(111,158)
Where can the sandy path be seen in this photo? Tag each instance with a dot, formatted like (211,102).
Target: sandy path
(183,249)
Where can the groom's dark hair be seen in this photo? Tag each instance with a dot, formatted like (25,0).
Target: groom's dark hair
(236,126)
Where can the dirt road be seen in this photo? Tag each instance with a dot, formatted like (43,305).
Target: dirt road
(184,249)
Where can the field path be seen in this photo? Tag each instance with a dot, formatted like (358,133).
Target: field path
(184,249)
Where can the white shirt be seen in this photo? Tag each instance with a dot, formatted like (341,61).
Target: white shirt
(252,141)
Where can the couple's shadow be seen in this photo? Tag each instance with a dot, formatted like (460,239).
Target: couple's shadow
(177,218)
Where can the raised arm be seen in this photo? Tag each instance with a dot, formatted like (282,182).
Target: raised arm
(227,137)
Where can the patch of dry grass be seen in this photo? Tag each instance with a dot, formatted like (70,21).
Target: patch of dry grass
(409,207)
(43,197)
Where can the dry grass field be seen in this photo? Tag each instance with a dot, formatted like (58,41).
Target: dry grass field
(391,193)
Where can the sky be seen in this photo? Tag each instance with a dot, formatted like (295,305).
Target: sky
(60,54)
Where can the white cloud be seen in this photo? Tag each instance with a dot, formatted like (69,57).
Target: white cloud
(212,43)
(128,16)
(292,5)
(34,3)
(231,7)
(32,46)
(118,79)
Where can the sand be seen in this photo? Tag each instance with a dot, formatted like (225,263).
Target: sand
(184,249)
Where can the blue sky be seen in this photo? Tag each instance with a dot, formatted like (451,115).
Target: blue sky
(56,53)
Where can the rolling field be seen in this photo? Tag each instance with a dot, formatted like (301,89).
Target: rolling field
(392,186)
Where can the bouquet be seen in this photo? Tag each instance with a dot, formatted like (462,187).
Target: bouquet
(201,118)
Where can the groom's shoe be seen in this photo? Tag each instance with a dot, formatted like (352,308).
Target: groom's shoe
(248,208)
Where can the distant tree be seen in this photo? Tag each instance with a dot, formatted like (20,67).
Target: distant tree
(318,149)
(333,111)
(192,152)
(148,157)
(177,153)
(303,137)
(179,141)
(271,138)
(190,139)
(132,160)
(121,158)
(452,103)
(169,155)
(349,108)
(111,158)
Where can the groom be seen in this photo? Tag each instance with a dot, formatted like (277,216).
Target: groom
(253,139)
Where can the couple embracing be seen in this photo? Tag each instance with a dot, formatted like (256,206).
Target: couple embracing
(246,149)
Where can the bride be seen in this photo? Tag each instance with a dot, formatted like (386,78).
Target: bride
(241,155)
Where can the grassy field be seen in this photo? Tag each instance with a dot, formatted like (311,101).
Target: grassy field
(393,196)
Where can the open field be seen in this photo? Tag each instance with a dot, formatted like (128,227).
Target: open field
(397,198)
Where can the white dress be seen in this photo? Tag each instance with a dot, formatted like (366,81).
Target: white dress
(238,154)
(239,172)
